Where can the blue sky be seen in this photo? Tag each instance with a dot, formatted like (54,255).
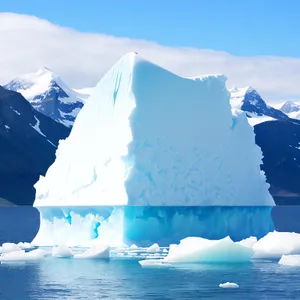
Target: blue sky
(240,27)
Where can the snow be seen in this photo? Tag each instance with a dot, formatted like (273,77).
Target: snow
(275,244)
(147,137)
(199,250)
(294,115)
(248,242)
(9,247)
(62,251)
(237,96)
(101,251)
(21,255)
(229,285)
(48,94)
(154,248)
(259,119)
(24,245)
(37,126)
(290,260)
(32,84)
(84,93)
(18,113)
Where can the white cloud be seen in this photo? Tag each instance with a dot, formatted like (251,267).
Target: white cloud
(28,43)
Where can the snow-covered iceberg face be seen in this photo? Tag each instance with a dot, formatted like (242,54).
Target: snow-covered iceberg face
(149,137)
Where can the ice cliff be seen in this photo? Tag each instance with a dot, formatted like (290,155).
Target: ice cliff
(149,137)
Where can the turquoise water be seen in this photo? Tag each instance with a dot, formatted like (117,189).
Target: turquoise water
(126,279)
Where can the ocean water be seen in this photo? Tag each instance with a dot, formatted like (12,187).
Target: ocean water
(124,278)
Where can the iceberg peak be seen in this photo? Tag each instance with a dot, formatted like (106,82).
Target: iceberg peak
(146,137)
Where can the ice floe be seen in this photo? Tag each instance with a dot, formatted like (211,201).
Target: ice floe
(200,250)
(101,251)
(229,285)
(290,260)
(62,251)
(275,244)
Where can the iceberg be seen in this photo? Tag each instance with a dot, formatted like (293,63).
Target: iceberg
(10,247)
(290,260)
(62,251)
(102,251)
(229,285)
(149,137)
(199,250)
(154,248)
(154,263)
(275,244)
(21,255)
(155,150)
(147,225)
(248,242)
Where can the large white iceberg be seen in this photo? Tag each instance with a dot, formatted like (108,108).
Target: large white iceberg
(149,137)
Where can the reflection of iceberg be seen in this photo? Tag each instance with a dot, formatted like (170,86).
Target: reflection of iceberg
(147,225)
(154,150)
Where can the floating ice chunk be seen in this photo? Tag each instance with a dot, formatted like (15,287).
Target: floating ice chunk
(154,263)
(290,260)
(62,251)
(275,244)
(229,285)
(165,250)
(9,247)
(133,247)
(35,254)
(24,245)
(200,250)
(102,251)
(249,242)
(21,255)
(154,256)
(154,248)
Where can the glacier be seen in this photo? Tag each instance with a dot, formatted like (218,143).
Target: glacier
(151,147)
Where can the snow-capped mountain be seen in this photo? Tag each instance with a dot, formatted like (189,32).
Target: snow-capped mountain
(292,109)
(249,100)
(49,95)
(28,142)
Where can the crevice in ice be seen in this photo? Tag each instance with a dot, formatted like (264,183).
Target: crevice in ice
(117,87)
